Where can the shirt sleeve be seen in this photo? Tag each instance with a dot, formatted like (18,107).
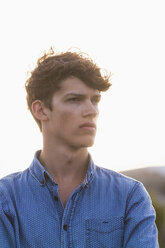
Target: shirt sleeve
(7,236)
(140,228)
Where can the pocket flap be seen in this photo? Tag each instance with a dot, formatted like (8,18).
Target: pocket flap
(105,225)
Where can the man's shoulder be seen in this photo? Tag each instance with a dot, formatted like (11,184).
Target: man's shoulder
(13,177)
(11,182)
(114,174)
(116,179)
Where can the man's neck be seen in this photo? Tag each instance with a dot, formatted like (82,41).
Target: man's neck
(65,165)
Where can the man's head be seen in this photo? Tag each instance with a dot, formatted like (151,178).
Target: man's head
(53,68)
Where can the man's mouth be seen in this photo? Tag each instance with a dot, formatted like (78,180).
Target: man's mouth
(88,126)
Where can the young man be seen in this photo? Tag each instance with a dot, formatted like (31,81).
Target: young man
(63,199)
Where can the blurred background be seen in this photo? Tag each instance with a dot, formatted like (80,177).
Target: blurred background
(124,37)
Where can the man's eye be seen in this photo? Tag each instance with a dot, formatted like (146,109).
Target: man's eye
(75,99)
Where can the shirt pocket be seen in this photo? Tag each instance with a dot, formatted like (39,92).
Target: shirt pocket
(104,233)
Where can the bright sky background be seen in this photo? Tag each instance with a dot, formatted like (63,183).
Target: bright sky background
(125,37)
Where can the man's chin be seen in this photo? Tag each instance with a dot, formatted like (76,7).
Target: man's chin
(83,143)
(87,144)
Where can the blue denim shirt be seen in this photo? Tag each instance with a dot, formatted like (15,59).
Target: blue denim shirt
(108,210)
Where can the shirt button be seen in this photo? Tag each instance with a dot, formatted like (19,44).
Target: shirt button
(65,227)
(42,182)
(55,198)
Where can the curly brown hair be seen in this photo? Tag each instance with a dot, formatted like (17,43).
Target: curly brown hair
(52,68)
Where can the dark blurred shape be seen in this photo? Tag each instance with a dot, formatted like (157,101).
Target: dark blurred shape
(153,179)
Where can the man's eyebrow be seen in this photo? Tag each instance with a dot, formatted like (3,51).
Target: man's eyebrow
(74,94)
(81,95)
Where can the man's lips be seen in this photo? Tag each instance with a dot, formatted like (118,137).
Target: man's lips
(88,126)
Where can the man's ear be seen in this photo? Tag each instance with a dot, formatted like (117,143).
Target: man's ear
(39,110)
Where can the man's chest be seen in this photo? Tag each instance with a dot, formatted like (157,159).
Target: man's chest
(64,196)
(64,191)
(80,226)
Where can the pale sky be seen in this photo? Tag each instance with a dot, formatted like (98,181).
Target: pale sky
(125,37)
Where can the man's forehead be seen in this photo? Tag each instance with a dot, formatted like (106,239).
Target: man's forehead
(74,86)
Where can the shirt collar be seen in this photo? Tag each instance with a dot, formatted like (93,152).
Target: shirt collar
(37,170)
(41,174)
(90,172)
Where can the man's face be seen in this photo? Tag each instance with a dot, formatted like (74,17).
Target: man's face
(73,118)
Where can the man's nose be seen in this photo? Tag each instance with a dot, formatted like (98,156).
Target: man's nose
(90,109)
